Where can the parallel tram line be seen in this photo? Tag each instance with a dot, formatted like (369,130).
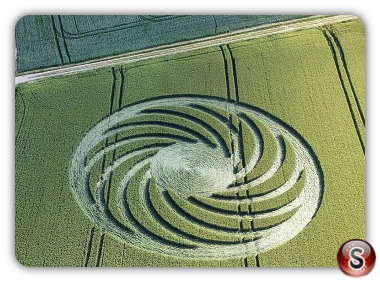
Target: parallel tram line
(101,242)
(228,92)
(241,141)
(342,56)
(64,39)
(356,114)
(89,246)
(60,41)
(120,102)
(239,129)
(56,39)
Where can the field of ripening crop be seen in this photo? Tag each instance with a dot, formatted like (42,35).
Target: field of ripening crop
(243,154)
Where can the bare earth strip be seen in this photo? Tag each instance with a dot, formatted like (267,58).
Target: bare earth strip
(181,47)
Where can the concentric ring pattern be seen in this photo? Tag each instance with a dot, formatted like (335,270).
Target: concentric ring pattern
(197,177)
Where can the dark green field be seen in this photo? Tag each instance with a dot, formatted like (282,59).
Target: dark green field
(50,41)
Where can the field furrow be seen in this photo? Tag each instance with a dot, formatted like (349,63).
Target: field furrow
(349,92)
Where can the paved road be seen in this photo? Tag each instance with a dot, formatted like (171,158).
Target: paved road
(186,46)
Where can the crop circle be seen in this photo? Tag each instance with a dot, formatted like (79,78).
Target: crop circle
(173,176)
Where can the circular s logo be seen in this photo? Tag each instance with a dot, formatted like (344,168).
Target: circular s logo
(356,258)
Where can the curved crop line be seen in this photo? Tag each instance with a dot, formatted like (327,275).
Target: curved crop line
(221,119)
(143,228)
(159,136)
(195,221)
(146,201)
(296,203)
(268,227)
(124,207)
(122,195)
(178,231)
(122,158)
(300,184)
(259,148)
(214,114)
(119,128)
(99,199)
(209,207)
(282,188)
(125,140)
(284,171)
(199,221)
(234,134)
(216,135)
(201,241)
(247,200)
(266,175)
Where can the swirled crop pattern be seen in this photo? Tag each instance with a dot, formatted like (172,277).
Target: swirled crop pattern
(187,188)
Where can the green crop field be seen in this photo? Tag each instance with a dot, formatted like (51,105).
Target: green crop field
(244,154)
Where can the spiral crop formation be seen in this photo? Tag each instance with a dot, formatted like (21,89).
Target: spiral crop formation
(178,176)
